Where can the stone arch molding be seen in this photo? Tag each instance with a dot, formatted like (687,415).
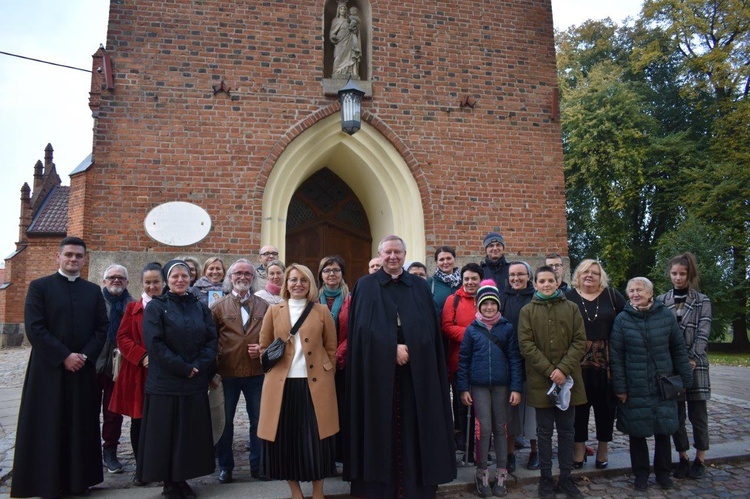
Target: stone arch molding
(368,163)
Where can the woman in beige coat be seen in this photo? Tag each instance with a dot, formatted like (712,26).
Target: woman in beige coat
(298,410)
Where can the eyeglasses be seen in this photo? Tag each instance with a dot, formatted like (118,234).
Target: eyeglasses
(555,265)
(295,280)
(113,278)
(331,271)
(242,274)
(270,253)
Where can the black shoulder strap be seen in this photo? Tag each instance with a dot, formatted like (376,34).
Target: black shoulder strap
(493,339)
(301,319)
(456,299)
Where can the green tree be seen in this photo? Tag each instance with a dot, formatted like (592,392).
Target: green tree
(712,42)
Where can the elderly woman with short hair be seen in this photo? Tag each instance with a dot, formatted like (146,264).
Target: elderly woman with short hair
(646,342)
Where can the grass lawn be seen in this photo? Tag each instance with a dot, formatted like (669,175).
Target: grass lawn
(729,359)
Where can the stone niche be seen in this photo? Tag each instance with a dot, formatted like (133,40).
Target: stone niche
(353,32)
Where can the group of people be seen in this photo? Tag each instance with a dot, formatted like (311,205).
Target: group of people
(365,378)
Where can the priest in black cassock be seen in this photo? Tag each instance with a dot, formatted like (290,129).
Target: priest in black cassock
(57,441)
(400,432)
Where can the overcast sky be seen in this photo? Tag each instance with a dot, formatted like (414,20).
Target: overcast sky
(41,104)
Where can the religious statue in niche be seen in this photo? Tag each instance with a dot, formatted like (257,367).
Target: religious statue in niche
(347,46)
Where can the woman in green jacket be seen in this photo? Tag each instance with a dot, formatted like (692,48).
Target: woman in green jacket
(646,342)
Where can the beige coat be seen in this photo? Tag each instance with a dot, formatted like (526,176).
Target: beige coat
(318,336)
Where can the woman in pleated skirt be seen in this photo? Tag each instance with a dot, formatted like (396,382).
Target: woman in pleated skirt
(299,415)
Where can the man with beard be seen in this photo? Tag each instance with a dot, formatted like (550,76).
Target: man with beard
(494,265)
(116,297)
(57,441)
(238,317)
(400,432)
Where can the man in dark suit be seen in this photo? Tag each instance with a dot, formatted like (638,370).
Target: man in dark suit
(57,441)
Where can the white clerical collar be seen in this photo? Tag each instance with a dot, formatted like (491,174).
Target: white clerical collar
(68,277)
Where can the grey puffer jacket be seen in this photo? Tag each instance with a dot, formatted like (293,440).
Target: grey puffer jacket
(645,343)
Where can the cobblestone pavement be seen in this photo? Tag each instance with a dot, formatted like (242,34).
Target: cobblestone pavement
(722,480)
(729,419)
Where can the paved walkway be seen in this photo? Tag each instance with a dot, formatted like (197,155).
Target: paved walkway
(728,474)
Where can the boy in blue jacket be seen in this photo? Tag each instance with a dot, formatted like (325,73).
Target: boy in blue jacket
(489,366)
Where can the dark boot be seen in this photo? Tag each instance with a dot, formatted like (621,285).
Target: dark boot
(109,456)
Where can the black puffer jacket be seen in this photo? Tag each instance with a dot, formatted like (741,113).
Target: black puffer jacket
(635,362)
(180,335)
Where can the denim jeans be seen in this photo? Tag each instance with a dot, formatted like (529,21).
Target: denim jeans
(250,388)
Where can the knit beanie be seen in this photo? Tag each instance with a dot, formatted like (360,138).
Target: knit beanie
(487,291)
(493,237)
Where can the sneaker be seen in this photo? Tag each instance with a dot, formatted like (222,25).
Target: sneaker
(546,488)
(697,469)
(683,468)
(511,466)
(109,456)
(482,481)
(568,487)
(665,482)
(499,489)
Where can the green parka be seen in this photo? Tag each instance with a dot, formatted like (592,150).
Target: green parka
(551,336)
(645,343)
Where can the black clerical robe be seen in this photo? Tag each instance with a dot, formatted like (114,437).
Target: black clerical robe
(400,430)
(57,441)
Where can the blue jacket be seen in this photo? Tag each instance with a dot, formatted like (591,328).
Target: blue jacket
(482,363)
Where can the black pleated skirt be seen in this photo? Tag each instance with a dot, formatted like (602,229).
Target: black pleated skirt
(298,452)
(176,440)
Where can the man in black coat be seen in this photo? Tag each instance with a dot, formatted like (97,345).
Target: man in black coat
(400,429)
(57,441)
(495,266)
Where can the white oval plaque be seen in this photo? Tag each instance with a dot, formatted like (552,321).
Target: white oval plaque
(178,223)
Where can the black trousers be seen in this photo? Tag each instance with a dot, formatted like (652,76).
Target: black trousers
(697,411)
(662,456)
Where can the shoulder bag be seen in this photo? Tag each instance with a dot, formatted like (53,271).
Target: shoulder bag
(275,350)
(670,385)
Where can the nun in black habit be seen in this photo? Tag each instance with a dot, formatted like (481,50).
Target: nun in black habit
(400,428)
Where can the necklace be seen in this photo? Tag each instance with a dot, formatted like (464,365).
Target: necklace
(585,310)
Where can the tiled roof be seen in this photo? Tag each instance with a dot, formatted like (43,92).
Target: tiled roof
(52,217)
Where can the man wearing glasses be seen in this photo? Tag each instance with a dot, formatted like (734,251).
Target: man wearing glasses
(555,261)
(116,298)
(238,317)
(267,254)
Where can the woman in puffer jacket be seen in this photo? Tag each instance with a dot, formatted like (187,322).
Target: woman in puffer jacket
(646,342)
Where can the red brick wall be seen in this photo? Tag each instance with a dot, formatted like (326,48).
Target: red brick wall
(162,135)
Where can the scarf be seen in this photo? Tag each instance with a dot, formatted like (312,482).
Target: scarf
(453,279)
(145,299)
(554,295)
(488,322)
(116,311)
(273,289)
(338,301)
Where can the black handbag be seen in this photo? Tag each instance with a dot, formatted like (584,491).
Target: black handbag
(670,386)
(275,350)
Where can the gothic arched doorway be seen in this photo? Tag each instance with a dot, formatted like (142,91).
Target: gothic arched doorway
(326,218)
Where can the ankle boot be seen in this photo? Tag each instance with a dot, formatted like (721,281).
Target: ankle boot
(109,456)
(482,481)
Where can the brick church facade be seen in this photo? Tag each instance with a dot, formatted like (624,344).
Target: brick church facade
(232,106)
